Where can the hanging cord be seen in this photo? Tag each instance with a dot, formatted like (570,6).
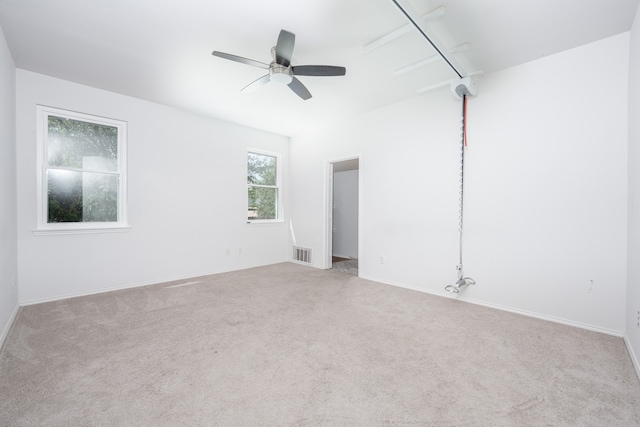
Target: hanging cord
(462,281)
(463,144)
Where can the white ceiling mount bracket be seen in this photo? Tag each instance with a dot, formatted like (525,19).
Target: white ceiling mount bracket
(464,87)
(447,82)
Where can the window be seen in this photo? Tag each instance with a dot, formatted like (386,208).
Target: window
(263,183)
(81,171)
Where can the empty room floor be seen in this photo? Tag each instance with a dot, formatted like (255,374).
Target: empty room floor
(288,344)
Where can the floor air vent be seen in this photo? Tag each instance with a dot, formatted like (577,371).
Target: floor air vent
(301,254)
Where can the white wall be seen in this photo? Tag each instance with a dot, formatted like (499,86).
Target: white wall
(187,198)
(632,331)
(546,188)
(8,216)
(345,214)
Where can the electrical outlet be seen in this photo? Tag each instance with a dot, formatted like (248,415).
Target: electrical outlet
(228,252)
(381,260)
(590,285)
(239,251)
(638,319)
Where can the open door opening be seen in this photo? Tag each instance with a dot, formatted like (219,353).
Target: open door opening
(343,215)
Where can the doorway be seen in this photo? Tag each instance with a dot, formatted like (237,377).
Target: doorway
(343,215)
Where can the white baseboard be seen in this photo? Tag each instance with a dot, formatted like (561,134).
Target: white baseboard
(634,356)
(374,279)
(135,285)
(7,327)
(504,308)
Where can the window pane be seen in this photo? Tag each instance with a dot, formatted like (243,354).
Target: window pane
(64,192)
(261,169)
(263,203)
(77,144)
(82,196)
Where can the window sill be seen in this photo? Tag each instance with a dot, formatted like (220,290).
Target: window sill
(88,230)
(266,222)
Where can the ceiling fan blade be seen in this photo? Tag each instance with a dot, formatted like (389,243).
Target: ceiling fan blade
(240,59)
(300,90)
(256,84)
(284,48)
(318,70)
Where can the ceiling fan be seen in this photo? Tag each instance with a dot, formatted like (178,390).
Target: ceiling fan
(280,69)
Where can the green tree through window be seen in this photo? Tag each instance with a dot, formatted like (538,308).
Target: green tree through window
(77,191)
(262,180)
(82,172)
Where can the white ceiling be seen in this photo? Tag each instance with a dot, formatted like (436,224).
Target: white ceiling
(160,50)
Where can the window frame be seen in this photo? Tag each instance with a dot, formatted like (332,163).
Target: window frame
(277,186)
(42,134)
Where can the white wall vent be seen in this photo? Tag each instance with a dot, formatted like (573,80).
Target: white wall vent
(301,254)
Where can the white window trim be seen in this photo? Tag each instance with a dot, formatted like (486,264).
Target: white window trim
(42,129)
(280,208)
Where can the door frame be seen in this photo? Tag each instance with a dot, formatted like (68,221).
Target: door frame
(328,222)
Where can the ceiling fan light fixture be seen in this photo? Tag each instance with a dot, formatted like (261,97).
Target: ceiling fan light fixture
(280,74)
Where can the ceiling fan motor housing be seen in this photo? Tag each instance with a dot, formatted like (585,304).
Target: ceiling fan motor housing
(280,74)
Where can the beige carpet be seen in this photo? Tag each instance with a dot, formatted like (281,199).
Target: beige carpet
(289,345)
